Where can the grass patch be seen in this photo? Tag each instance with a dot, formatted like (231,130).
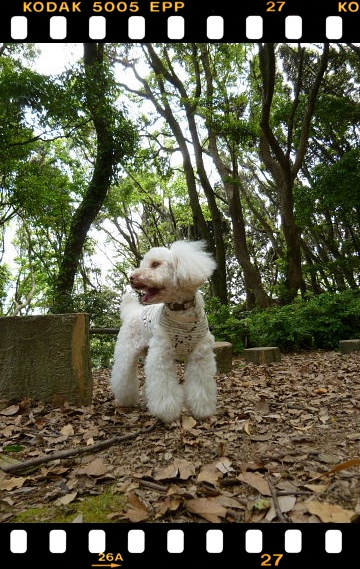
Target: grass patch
(94,509)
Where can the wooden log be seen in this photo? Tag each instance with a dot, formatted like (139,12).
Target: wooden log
(223,356)
(348,346)
(262,355)
(46,357)
(101,331)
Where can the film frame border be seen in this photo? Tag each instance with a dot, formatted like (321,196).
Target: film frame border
(178,20)
(115,545)
(229,29)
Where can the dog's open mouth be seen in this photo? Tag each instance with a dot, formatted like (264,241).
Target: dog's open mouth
(149,294)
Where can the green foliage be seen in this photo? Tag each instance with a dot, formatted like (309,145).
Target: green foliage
(317,323)
(104,312)
(227,323)
(5,276)
(335,185)
(48,149)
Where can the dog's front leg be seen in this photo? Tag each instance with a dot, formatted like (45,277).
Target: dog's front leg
(164,395)
(200,385)
(124,381)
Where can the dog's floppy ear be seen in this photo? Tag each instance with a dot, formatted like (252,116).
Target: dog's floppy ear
(192,264)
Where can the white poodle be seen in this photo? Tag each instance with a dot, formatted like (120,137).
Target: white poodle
(174,327)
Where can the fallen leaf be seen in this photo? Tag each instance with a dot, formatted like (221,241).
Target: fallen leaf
(187,423)
(338,467)
(256,481)
(329,512)
(229,502)
(186,469)
(170,504)
(181,468)
(137,510)
(262,504)
(328,458)
(11,410)
(6,431)
(262,406)
(64,500)
(209,473)
(247,428)
(208,508)
(224,465)
(259,438)
(67,430)
(7,501)
(285,503)
(318,488)
(353,437)
(96,468)
(11,483)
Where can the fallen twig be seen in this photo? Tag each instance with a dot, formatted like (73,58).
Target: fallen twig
(18,467)
(152,485)
(278,511)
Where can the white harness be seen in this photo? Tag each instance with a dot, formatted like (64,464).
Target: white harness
(184,327)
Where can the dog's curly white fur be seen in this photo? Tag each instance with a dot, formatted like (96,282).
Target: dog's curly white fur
(172,324)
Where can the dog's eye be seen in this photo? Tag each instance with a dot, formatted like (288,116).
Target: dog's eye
(155,264)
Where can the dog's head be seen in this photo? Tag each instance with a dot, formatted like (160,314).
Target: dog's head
(174,274)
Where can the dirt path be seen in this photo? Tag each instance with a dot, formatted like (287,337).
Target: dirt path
(284,446)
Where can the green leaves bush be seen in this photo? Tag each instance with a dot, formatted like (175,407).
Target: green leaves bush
(227,323)
(318,322)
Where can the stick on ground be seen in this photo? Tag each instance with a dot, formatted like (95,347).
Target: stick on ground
(18,467)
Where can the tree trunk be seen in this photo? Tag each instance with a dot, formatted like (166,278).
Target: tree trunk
(215,238)
(95,93)
(278,161)
(255,293)
(294,280)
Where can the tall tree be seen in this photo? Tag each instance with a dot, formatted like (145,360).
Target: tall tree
(114,140)
(228,169)
(162,89)
(285,160)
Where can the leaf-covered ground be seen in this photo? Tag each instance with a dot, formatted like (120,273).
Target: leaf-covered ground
(283,447)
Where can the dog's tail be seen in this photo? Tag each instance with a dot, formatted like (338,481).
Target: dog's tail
(129,305)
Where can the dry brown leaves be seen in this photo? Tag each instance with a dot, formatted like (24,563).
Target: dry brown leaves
(284,446)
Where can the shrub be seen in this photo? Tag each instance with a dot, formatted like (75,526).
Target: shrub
(316,323)
(227,323)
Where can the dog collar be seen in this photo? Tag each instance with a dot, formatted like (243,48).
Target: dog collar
(180,305)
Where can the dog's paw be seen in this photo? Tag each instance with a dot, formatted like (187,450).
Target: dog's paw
(127,402)
(201,411)
(168,411)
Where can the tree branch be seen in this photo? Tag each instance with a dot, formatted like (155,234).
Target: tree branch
(101,445)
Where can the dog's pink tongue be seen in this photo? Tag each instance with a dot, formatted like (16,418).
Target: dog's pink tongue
(149,294)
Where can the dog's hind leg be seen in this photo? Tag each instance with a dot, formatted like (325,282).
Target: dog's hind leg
(199,384)
(164,395)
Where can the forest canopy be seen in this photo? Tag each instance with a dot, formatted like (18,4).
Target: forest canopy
(252,147)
